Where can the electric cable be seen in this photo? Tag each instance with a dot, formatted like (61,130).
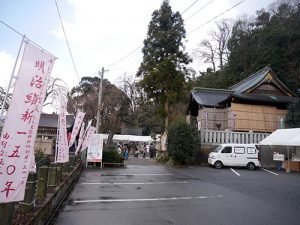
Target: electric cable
(71,55)
(130,53)
(222,13)
(26,38)
(199,10)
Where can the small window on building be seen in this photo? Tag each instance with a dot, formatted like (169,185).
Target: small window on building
(227,149)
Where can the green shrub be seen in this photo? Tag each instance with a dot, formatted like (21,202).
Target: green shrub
(111,155)
(161,158)
(183,142)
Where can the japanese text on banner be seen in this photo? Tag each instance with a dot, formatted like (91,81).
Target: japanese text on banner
(20,127)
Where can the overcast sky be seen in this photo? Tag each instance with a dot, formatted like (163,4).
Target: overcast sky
(101,32)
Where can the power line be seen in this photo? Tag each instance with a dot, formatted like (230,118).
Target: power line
(222,13)
(130,53)
(128,64)
(197,28)
(199,10)
(61,22)
(25,38)
(124,57)
(190,6)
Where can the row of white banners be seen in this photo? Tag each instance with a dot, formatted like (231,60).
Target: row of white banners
(21,123)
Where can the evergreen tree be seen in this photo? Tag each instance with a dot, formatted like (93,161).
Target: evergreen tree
(292,119)
(163,68)
(271,38)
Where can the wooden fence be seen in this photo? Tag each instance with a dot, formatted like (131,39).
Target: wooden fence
(222,137)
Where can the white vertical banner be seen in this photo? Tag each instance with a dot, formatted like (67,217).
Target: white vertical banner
(20,127)
(206,120)
(76,127)
(88,126)
(95,148)
(32,167)
(89,133)
(80,139)
(233,120)
(62,151)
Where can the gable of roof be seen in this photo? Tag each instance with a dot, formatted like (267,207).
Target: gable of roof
(254,80)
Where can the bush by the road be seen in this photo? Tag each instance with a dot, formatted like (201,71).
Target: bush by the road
(111,155)
(183,142)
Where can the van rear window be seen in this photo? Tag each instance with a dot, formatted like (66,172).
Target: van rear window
(239,150)
(251,150)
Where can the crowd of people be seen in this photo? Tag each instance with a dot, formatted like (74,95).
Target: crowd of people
(144,150)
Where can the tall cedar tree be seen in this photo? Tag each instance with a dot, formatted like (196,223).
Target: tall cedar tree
(292,119)
(164,61)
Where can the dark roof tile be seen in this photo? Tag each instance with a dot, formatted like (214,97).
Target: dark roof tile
(210,97)
(51,120)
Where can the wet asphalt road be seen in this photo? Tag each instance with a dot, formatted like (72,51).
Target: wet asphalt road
(149,194)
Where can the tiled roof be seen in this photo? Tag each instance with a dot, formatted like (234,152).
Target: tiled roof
(256,79)
(250,81)
(51,120)
(210,97)
(217,97)
(262,98)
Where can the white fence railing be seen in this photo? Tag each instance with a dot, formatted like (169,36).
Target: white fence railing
(227,136)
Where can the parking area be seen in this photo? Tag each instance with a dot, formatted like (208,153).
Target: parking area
(156,194)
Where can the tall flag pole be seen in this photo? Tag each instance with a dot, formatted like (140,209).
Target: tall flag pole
(21,123)
(11,78)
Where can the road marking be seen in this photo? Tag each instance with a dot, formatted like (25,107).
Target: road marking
(146,199)
(136,174)
(270,172)
(145,174)
(138,183)
(235,172)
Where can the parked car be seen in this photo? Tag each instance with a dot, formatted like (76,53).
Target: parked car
(235,155)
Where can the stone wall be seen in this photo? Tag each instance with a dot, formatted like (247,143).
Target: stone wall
(45,191)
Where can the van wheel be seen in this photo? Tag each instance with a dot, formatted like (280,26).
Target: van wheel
(251,166)
(218,164)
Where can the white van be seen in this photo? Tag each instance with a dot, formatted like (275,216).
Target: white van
(235,155)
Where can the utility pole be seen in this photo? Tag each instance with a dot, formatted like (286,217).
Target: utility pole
(99,99)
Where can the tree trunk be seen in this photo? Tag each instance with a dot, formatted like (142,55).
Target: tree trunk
(214,65)
(167,114)
(110,138)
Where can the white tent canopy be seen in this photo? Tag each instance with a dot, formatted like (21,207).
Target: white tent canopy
(135,138)
(283,137)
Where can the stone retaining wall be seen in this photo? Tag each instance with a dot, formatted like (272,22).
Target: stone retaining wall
(45,191)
